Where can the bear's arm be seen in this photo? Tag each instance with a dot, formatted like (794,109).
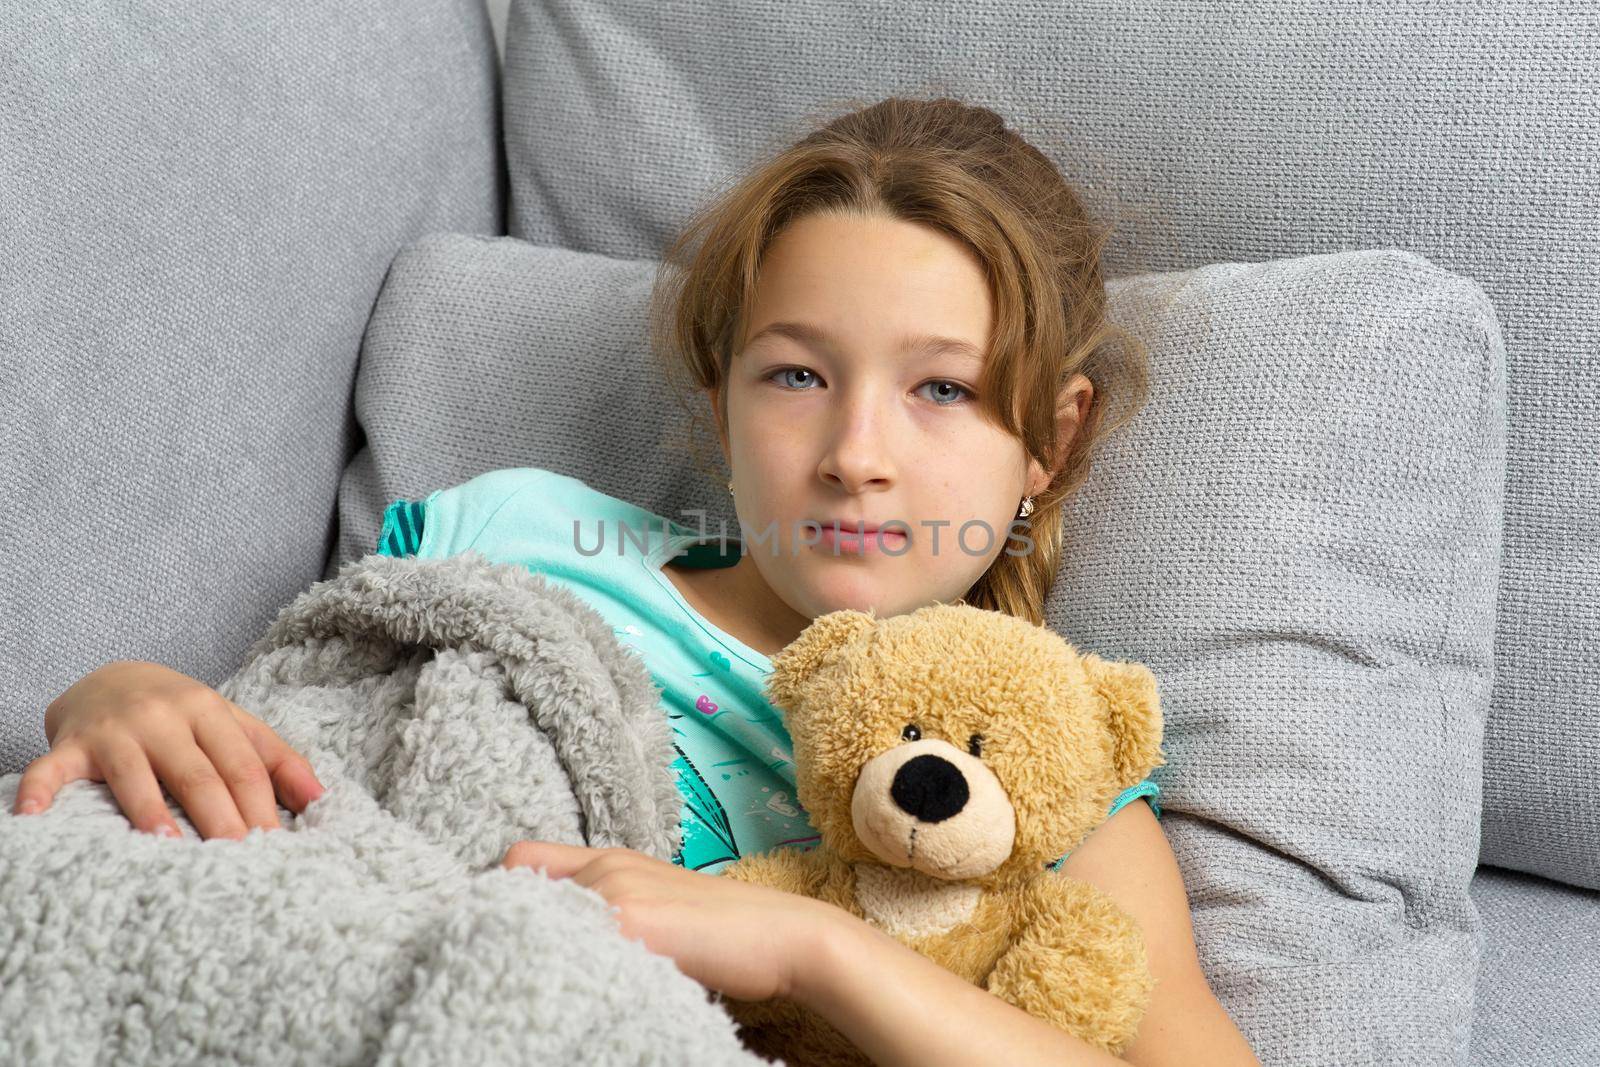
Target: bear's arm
(1077,961)
(813,873)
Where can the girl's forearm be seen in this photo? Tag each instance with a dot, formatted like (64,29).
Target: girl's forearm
(902,1009)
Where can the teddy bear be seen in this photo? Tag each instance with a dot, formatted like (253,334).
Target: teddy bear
(947,757)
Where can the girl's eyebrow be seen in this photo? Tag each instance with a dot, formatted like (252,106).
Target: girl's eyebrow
(818,341)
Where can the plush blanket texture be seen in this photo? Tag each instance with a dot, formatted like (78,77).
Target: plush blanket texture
(450,707)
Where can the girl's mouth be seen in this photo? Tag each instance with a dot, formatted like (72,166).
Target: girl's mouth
(845,541)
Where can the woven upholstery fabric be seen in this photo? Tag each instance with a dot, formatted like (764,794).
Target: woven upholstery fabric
(1299,534)
(1535,1001)
(487,353)
(1209,133)
(197,206)
(1301,537)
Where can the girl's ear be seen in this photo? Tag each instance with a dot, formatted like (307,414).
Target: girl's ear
(801,658)
(1133,715)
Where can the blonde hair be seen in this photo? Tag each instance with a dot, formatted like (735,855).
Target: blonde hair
(958,169)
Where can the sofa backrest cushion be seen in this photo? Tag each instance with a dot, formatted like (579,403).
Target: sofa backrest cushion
(197,207)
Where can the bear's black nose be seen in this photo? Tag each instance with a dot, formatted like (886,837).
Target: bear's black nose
(929,787)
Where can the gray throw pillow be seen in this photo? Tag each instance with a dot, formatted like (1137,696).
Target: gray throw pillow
(1299,534)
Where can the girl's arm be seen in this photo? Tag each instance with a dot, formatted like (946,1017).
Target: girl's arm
(1129,858)
(900,1008)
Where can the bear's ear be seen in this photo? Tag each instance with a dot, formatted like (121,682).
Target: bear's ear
(1133,714)
(797,661)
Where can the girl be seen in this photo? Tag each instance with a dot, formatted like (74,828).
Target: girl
(899,326)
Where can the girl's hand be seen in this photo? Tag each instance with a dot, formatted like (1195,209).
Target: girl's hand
(749,942)
(137,726)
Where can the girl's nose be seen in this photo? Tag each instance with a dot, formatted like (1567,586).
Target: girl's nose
(857,454)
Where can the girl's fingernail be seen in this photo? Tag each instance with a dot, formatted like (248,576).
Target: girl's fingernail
(28,807)
(168,831)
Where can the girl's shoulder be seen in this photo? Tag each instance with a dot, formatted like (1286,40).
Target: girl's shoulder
(517,512)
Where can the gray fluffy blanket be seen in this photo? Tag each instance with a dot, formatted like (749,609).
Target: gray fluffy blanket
(450,708)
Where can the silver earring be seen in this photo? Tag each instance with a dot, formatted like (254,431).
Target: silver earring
(1027,507)
(730,486)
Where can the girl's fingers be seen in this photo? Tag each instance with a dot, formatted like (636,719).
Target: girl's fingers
(189,775)
(244,775)
(45,776)
(126,769)
(296,783)
(557,860)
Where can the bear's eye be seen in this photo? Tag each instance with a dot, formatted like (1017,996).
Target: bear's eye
(911,733)
(975,744)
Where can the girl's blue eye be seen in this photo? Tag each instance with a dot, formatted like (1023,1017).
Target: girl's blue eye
(792,370)
(963,390)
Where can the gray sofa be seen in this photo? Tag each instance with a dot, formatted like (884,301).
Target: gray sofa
(265,271)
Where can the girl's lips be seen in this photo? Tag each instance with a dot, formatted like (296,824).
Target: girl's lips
(848,541)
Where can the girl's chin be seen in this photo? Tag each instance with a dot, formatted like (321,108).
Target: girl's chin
(860,589)
(879,598)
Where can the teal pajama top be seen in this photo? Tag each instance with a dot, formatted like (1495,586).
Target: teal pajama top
(734,762)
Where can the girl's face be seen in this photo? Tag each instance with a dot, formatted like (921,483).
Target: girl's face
(853,397)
